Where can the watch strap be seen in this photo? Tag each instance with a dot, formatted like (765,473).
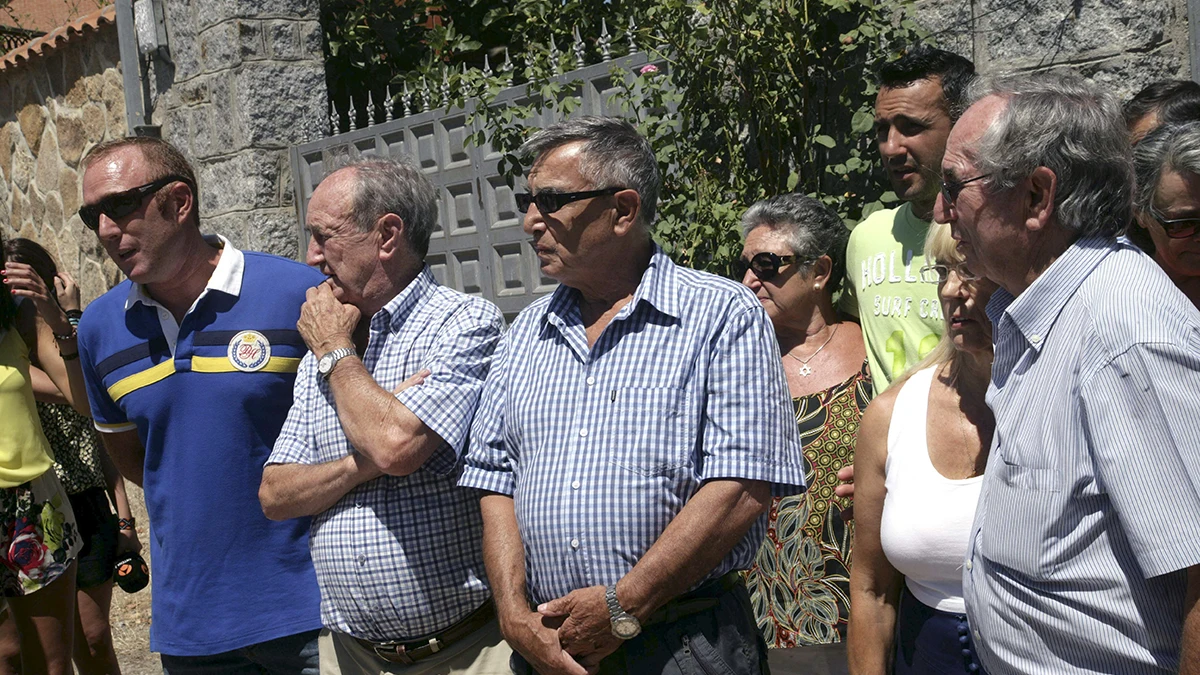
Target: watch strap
(335,356)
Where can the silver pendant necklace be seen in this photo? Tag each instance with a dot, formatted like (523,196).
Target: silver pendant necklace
(805,370)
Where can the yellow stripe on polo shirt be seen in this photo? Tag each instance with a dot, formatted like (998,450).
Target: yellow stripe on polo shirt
(145,378)
(221,364)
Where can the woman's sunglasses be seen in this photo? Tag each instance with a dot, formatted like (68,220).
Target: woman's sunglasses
(765,265)
(1176,228)
(122,204)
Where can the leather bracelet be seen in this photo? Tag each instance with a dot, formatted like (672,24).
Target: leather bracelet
(69,357)
(126,523)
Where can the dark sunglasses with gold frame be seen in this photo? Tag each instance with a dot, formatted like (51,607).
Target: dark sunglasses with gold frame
(549,201)
(765,265)
(122,204)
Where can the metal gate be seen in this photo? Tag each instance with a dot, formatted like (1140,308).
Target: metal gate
(478,246)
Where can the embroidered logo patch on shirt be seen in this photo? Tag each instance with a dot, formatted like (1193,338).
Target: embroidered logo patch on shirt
(249,351)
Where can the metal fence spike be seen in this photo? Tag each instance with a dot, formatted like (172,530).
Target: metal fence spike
(372,109)
(334,127)
(353,116)
(605,41)
(554,56)
(391,104)
(630,33)
(445,90)
(487,67)
(425,95)
(406,99)
(579,48)
(508,67)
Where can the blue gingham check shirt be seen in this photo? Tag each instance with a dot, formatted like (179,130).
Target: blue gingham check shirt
(1090,508)
(400,557)
(600,448)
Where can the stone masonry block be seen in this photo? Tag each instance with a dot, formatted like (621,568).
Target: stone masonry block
(245,181)
(192,92)
(311,40)
(283,38)
(181,32)
(54,212)
(71,137)
(232,226)
(6,148)
(23,167)
(250,40)
(1034,33)
(219,47)
(48,163)
(212,12)
(281,104)
(37,207)
(32,119)
(94,123)
(69,191)
(274,231)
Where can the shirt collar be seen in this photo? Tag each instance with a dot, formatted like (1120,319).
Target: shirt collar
(656,288)
(1035,310)
(226,278)
(396,311)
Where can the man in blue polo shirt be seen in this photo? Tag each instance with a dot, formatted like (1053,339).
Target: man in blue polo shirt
(190,365)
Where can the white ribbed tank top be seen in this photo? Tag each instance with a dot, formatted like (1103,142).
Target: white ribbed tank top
(926,517)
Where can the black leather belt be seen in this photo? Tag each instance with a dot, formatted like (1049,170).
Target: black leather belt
(705,596)
(409,651)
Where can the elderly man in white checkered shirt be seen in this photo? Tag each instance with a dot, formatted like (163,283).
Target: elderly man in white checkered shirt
(371,447)
(630,436)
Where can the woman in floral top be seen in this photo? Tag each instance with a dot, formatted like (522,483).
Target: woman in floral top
(793,259)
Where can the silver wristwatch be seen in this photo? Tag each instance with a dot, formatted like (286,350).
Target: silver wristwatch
(326,363)
(624,624)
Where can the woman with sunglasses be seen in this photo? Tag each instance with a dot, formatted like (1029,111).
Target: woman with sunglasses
(38,536)
(794,260)
(1167,203)
(919,467)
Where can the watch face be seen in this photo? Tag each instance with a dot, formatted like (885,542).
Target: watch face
(325,364)
(626,628)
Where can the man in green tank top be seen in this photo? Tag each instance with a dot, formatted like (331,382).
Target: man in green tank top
(920,96)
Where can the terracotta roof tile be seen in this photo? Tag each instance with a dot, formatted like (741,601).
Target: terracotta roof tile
(59,37)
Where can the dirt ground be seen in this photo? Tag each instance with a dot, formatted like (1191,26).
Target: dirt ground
(130,615)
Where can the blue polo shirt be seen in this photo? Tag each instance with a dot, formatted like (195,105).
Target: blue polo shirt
(208,397)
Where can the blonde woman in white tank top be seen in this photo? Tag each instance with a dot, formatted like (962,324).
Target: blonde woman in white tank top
(921,451)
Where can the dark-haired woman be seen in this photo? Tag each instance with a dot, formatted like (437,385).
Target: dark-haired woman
(38,536)
(91,482)
(793,261)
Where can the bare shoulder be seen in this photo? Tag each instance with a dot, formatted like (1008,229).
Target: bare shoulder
(873,429)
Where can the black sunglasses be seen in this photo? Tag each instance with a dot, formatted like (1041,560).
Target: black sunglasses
(951,187)
(124,203)
(765,265)
(548,201)
(1176,228)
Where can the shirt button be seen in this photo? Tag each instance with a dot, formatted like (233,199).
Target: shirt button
(358,505)
(1035,338)
(969,565)
(362,560)
(574,485)
(583,432)
(574,543)
(591,381)
(978,637)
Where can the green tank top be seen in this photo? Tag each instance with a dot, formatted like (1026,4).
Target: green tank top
(24,452)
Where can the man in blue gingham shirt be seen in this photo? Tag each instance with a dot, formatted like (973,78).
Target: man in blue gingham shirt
(631,434)
(1084,556)
(371,447)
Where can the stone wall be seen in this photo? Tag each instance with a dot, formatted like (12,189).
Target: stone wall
(247,83)
(53,107)
(1123,44)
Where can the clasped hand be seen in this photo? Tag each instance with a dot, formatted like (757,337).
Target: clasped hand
(325,323)
(586,630)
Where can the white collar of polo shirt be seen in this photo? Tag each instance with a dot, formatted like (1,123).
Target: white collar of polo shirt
(226,278)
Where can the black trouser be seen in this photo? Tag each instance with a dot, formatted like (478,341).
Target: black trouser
(722,640)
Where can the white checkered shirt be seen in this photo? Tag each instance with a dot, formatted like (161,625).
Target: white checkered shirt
(400,557)
(600,448)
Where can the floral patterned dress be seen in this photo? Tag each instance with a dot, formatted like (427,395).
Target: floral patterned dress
(800,581)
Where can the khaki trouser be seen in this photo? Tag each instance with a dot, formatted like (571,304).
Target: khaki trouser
(483,652)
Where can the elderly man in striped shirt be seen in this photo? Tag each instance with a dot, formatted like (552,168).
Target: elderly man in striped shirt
(1085,552)
(371,447)
(630,435)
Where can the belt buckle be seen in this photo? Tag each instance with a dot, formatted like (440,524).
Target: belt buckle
(397,652)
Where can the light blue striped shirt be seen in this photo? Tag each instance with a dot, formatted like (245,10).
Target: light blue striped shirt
(401,557)
(1090,510)
(600,448)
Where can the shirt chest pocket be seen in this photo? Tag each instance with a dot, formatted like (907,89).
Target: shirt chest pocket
(651,431)
(1019,531)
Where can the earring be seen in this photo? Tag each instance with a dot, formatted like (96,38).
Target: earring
(817,287)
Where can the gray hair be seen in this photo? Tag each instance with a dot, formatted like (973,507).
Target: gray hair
(614,155)
(383,186)
(810,229)
(1170,148)
(1071,127)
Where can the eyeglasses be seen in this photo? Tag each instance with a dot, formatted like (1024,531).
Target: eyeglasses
(124,203)
(951,187)
(1176,228)
(549,201)
(937,274)
(765,265)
